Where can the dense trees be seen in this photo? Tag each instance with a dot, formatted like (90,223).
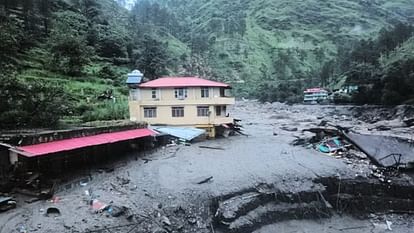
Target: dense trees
(10,37)
(35,104)
(151,58)
(67,43)
(68,37)
(381,82)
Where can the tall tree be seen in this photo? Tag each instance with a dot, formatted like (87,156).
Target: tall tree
(68,44)
(152,59)
(45,10)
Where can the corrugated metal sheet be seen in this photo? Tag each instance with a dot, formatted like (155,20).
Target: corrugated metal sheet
(187,134)
(77,143)
(385,151)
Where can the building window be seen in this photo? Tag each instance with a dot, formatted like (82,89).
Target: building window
(221,110)
(203,111)
(150,112)
(205,92)
(222,92)
(134,94)
(218,110)
(154,93)
(177,111)
(180,93)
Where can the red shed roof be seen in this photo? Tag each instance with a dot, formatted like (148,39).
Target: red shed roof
(77,143)
(182,82)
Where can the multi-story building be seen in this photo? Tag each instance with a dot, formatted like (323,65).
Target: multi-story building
(180,101)
(315,95)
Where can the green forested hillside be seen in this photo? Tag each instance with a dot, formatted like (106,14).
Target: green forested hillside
(279,42)
(66,60)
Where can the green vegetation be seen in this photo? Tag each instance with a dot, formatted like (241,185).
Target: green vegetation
(60,59)
(383,68)
(276,48)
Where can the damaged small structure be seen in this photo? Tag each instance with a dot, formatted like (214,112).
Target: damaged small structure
(385,151)
(54,152)
(181,101)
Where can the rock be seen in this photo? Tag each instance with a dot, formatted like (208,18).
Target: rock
(159,230)
(409,122)
(201,224)
(290,129)
(278,117)
(358,154)
(192,220)
(179,210)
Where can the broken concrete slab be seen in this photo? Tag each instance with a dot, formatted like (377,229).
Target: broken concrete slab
(272,212)
(385,151)
(232,208)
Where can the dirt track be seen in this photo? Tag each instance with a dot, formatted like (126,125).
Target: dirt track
(162,186)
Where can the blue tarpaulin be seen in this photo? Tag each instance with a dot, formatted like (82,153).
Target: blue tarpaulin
(187,134)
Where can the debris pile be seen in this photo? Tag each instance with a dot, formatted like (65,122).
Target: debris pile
(387,155)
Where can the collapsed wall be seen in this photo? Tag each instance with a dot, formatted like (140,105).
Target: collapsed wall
(250,210)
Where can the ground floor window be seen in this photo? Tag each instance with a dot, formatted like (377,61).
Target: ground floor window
(150,112)
(203,111)
(177,111)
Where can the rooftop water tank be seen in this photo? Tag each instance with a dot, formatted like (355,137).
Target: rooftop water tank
(134,78)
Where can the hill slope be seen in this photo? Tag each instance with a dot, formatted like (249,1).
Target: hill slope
(279,41)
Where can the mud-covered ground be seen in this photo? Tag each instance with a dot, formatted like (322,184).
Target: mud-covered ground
(164,191)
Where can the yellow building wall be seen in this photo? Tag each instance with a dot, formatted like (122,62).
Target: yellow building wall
(134,110)
(164,94)
(166,100)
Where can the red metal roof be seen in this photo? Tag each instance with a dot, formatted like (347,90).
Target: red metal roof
(315,90)
(182,82)
(77,143)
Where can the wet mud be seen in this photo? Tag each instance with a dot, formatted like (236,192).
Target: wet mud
(259,183)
